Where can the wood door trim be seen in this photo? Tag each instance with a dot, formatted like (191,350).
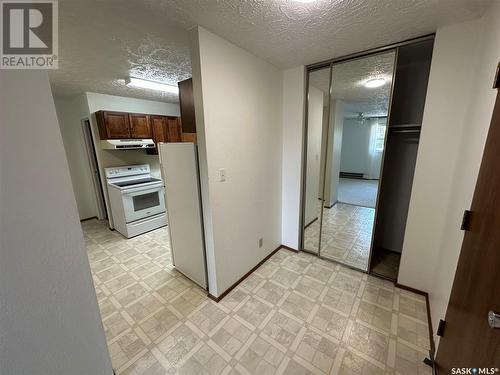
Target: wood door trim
(496,82)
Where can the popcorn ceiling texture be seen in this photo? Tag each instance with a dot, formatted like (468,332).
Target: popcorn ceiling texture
(102,42)
(289,33)
(349,84)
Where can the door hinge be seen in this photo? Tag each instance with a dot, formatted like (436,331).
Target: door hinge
(466,220)
(441,327)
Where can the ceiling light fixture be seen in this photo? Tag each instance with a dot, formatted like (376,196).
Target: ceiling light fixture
(375,82)
(151,85)
(305,1)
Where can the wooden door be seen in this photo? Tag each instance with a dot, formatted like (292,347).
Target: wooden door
(139,126)
(468,341)
(113,125)
(174,129)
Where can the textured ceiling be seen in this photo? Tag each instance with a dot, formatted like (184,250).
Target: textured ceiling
(349,84)
(101,41)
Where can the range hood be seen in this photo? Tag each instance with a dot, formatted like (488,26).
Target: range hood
(126,144)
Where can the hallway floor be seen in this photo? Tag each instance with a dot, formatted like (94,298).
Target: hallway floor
(296,314)
(346,234)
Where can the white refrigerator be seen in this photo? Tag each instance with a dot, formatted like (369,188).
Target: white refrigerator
(179,169)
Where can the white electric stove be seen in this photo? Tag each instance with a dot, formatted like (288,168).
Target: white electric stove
(137,199)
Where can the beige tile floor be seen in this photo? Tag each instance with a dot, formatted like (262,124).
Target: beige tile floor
(346,234)
(296,314)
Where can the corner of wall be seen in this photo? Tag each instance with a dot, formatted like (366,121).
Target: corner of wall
(293,103)
(202,159)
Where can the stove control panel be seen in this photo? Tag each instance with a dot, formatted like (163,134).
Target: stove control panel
(128,170)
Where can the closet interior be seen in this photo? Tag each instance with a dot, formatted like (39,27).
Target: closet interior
(363,122)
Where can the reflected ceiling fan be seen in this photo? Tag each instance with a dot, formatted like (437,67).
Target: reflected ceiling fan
(360,118)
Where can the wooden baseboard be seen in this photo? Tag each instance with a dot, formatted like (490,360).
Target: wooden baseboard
(410,289)
(429,319)
(333,204)
(226,292)
(87,219)
(431,329)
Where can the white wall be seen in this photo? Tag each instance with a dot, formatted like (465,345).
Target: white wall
(444,120)
(241,106)
(314,132)
(334,149)
(71,111)
(456,119)
(293,122)
(49,318)
(355,142)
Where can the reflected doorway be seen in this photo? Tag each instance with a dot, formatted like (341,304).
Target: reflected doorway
(347,110)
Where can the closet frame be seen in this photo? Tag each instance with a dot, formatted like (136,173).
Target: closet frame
(330,64)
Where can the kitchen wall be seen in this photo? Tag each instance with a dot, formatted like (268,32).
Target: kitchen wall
(292,127)
(238,100)
(49,318)
(71,111)
(456,120)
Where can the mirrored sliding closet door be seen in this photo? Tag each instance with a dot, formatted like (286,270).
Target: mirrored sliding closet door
(348,106)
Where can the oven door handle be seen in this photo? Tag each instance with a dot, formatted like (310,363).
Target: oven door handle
(157,189)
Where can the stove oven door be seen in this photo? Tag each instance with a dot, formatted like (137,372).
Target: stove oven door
(142,203)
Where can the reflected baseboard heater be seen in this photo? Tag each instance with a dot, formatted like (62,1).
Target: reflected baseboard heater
(351,175)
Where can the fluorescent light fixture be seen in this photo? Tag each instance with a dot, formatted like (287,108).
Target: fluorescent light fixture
(151,85)
(375,82)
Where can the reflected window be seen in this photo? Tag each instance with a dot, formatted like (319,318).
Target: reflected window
(379,137)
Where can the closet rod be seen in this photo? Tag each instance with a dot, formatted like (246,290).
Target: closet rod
(406,131)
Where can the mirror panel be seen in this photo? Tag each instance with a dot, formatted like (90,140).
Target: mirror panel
(317,122)
(354,147)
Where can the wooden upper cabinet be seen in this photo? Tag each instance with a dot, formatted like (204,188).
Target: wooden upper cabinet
(159,128)
(174,129)
(119,125)
(140,126)
(113,125)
